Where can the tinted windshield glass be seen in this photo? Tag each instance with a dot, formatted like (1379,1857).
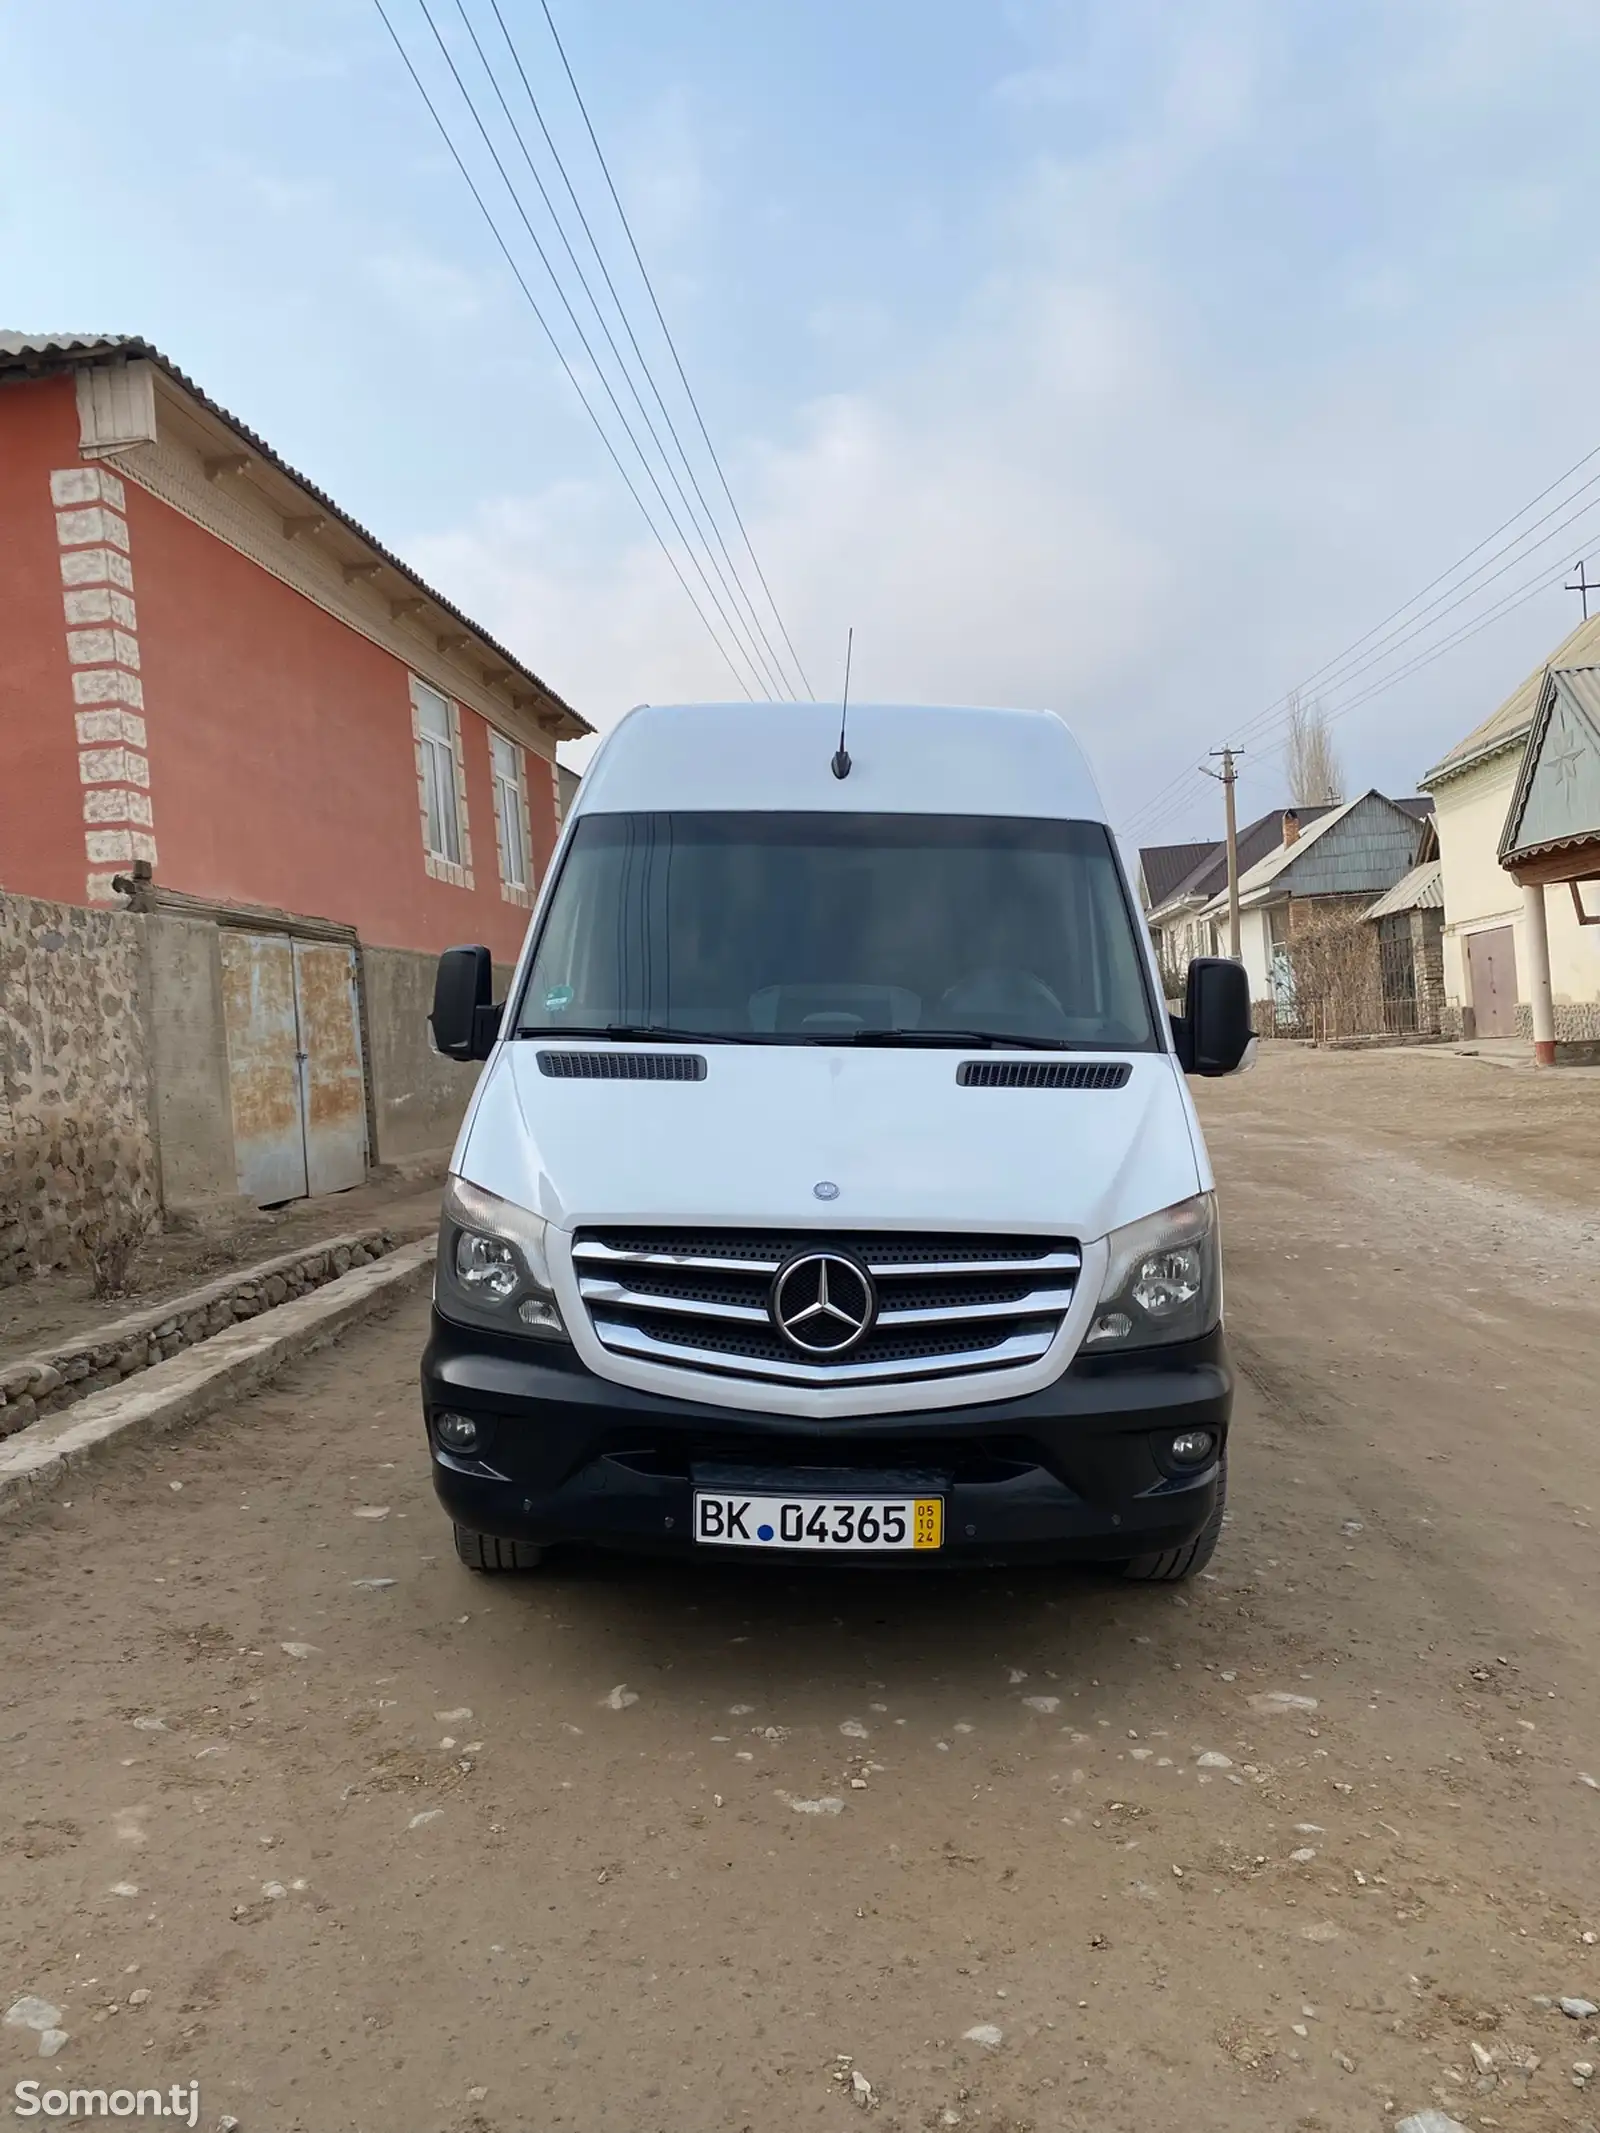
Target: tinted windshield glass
(837,927)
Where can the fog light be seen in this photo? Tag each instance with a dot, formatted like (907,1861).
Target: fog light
(457,1433)
(541,1316)
(1192,1447)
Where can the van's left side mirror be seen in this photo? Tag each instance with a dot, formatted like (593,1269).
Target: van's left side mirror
(1214,1032)
(465,1020)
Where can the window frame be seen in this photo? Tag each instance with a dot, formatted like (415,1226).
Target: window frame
(441,784)
(511,823)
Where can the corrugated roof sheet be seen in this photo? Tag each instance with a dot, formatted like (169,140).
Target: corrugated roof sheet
(1511,721)
(43,352)
(1167,866)
(1420,890)
(1256,840)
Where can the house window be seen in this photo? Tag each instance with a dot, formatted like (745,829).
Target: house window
(436,725)
(510,814)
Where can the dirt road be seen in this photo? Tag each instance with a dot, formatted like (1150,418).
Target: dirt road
(653,1850)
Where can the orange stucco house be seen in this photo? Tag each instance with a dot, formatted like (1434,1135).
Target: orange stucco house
(206,665)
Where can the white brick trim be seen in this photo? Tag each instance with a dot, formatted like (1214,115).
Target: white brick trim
(101,630)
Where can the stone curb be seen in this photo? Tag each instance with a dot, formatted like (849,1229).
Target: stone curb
(199,1379)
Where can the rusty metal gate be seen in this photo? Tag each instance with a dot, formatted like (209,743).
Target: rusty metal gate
(1397,971)
(292,1015)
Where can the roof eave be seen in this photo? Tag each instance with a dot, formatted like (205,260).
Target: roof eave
(564,723)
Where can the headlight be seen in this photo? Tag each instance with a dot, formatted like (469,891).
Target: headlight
(1163,1280)
(492,1270)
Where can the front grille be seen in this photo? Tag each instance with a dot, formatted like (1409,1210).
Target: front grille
(701,1300)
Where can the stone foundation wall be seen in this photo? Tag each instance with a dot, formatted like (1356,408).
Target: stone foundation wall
(1577,1021)
(76,1145)
(37,1385)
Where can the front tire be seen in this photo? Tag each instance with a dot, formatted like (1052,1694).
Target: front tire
(486,1552)
(1172,1565)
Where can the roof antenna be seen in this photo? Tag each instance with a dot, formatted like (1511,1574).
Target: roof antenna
(840,766)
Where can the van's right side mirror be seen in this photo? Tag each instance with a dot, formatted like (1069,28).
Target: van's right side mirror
(1214,1032)
(465,1020)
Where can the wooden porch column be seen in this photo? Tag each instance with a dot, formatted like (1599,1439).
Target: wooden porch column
(1538,945)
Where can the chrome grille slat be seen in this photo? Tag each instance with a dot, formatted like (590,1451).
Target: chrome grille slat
(1037,1303)
(595,1290)
(624,1339)
(699,1299)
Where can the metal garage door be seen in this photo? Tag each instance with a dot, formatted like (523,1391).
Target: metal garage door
(294,1065)
(1492,973)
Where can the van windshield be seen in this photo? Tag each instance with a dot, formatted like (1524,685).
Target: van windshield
(840,928)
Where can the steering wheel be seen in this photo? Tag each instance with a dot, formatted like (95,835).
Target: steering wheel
(1002,991)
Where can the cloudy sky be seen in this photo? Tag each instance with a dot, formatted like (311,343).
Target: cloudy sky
(1127,356)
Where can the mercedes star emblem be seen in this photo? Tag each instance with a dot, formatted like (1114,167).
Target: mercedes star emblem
(823,1303)
(825,1189)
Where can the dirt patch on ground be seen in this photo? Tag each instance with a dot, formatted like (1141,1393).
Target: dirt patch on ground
(384,1846)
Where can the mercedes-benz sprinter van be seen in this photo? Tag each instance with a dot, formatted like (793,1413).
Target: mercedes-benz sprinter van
(831,1186)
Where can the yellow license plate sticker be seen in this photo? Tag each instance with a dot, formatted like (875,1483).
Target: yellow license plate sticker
(927,1528)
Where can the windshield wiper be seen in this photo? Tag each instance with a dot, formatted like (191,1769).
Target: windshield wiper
(947,1039)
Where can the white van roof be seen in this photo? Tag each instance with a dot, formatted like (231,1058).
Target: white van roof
(908,759)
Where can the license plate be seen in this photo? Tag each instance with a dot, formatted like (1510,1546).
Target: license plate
(875,1523)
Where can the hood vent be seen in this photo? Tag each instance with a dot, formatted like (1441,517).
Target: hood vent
(622,1066)
(1043,1074)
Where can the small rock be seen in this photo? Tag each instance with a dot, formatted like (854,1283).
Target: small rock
(1344,2060)
(986,2034)
(620,1697)
(453,1718)
(300,1651)
(50,2042)
(853,1729)
(372,1584)
(1211,1760)
(138,1997)
(825,1806)
(861,2089)
(1430,2122)
(225,2124)
(1304,1856)
(370,1510)
(273,1891)
(30,2012)
(1482,2058)
(1280,1703)
(1579,2010)
(150,1725)
(428,1814)
(477,2095)
(1046,1706)
(124,1888)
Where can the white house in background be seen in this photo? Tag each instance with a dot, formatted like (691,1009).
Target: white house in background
(1486,949)
(1178,881)
(1340,861)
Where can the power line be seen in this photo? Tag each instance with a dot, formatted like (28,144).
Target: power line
(560,353)
(627,324)
(673,346)
(566,305)
(1330,672)
(762,665)
(1519,596)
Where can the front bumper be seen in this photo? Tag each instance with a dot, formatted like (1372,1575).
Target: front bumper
(1075,1470)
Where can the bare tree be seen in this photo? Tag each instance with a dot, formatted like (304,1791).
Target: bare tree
(1315,779)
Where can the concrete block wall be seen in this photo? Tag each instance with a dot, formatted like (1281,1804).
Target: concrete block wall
(418,1098)
(76,1133)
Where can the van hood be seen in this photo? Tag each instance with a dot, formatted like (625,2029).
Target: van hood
(906,1145)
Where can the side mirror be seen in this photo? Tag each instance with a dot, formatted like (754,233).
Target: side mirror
(465,1021)
(1214,1031)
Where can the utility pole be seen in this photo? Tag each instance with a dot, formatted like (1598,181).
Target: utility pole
(1581,584)
(1227,777)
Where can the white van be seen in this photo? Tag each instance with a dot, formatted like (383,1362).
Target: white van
(832,1186)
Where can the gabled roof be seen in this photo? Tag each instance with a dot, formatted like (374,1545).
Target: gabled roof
(1420,890)
(1256,840)
(27,354)
(1557,799)
(1256,881)
(1166,867)
(1504,727)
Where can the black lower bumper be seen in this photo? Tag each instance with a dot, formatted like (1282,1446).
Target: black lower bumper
(1080,1469)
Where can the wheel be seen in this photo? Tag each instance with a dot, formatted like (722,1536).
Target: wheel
(482,1551)
(1172,1565)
